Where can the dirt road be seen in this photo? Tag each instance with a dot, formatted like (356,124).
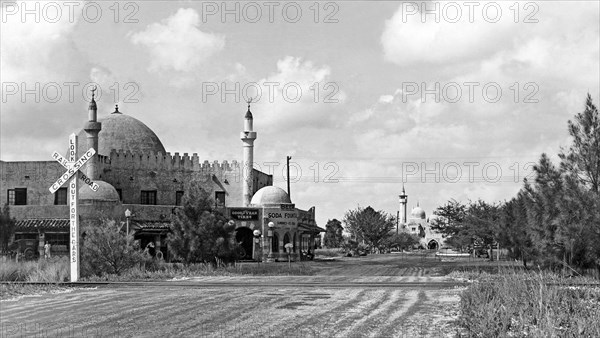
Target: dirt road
(248,311)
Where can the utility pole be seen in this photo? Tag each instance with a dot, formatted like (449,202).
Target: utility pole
(288,176)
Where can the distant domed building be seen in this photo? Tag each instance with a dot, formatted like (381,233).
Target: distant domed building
(419,225)
(141,185)
(418,213)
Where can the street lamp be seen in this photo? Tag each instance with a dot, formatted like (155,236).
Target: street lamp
(270,236)
(127,215)
(257,235)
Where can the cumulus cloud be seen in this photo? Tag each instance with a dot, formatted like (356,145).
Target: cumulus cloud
(37,51)
(177,44)
(304,94)
(455,36)
(37,58)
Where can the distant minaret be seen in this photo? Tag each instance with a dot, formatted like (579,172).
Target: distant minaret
(92,129)
(403,203)
(248,136)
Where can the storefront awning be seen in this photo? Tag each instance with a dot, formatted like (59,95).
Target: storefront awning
(149,226)
(310,228)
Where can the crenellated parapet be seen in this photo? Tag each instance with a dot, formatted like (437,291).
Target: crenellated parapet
(119,159)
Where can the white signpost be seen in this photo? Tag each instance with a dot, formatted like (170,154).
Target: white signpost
(73,165)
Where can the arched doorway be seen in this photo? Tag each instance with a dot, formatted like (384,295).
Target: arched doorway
(275,242)
(245,237)
(286,240)
(433,245)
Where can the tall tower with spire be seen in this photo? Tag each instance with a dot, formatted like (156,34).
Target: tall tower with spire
(248,136)
(92,129)
(403,205)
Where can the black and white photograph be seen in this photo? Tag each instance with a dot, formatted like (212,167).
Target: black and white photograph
(306,168)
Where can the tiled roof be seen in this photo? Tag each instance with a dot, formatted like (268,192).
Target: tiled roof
(43,223)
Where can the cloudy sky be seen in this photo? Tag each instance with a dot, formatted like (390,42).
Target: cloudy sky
(455,99)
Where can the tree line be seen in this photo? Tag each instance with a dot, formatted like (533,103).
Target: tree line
(369,231)
(554,219)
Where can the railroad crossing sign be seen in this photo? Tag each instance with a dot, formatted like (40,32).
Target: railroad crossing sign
(73,165)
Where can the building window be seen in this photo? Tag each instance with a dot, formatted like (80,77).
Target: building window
(148,197)
(58,238)
(60,196)
(17,196)
(220,199)
(120,192)
(178,197)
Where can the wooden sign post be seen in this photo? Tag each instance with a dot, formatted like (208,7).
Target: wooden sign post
(73,165)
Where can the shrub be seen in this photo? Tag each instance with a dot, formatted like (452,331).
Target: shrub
(333,252)
(107,250)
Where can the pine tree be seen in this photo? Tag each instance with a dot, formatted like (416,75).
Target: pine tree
(582,158)
(580,212)
(199,233)
(513,231)
(543,198)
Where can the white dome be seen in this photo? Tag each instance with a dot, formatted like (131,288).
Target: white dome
(418,213)
(270,195)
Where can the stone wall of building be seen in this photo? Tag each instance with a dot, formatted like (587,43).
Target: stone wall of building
(35,176)
(167,174)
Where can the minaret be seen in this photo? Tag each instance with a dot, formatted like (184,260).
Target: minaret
(92,129)
(403,203)
(248,136)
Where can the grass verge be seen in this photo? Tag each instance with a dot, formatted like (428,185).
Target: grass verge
(51,271)
(530,304)
(162,271)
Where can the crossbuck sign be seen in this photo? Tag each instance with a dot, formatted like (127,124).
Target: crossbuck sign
(73,165)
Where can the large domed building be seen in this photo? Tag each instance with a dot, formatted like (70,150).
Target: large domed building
(124,132)
(137,182)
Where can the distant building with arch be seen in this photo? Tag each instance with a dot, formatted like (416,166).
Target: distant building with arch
(419,225)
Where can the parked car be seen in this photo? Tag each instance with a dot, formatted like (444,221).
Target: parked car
(25,248)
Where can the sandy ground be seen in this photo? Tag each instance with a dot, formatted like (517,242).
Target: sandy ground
(248,311)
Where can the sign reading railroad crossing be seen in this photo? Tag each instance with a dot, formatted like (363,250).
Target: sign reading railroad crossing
(73,165)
